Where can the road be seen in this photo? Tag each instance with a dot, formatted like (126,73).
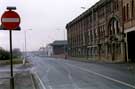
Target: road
(67,74)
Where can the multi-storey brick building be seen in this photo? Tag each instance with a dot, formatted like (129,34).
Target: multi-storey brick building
(104,32)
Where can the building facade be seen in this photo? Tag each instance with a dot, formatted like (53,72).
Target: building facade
(104,32)
(59,47)
(49,50)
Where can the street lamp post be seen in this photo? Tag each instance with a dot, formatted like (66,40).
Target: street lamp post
(64,46)
(25,41)
(25,47)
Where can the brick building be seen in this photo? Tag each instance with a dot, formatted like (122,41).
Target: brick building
(104,32)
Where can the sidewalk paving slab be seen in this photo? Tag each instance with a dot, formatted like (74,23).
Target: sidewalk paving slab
(23,81)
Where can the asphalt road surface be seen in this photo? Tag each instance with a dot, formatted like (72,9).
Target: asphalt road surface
(66,74)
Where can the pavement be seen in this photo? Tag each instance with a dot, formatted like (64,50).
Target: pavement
(67,74)
(22,77)
(24,81)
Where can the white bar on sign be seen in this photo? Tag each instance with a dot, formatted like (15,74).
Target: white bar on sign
(10,19)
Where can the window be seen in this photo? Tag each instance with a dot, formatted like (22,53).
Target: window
(109,48)
(127,12)
(95,51)
(109,8)
(99,35)
(94,17)
(118,47)
(132,8)
(90,20)
(101,12)
(115,5)
(100,32)
(96,31)
(89,36)
(124,13)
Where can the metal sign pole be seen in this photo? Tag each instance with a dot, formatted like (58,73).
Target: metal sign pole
(11,61)
(7,23)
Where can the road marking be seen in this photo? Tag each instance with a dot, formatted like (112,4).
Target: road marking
(73,83)
(103,76)
(71,78)
(42,84)
(50,87)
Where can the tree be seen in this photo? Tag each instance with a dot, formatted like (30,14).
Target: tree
(16,52)
(4,55)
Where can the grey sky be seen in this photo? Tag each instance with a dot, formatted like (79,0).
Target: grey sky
(43,20)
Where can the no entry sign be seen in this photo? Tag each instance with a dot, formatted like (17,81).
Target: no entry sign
(10,20)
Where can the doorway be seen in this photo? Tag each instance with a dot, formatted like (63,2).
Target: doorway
(131,46)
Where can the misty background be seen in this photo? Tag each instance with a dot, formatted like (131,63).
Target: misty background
(43,21)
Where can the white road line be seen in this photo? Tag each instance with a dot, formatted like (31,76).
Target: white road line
(103,76)
(71,79)
(73,83)
(42,84)
(50,87)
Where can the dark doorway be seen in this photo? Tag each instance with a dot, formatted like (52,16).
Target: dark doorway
(131,46)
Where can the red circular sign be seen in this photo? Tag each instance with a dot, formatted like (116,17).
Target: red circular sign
(10,20)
